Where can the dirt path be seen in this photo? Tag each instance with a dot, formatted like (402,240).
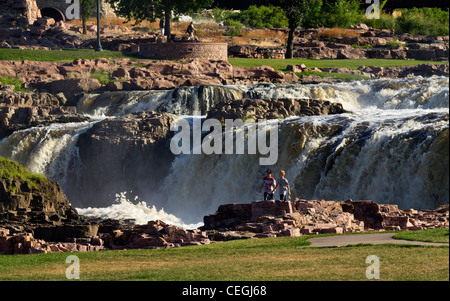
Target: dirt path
(353,239)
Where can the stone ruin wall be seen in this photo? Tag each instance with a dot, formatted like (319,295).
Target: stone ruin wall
(15,13)
(18,13)
(183,51)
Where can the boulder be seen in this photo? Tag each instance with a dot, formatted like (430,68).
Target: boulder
(72,87)
(45,21)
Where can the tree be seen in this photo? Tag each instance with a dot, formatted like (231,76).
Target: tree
(295,11)
(150,10)
(87,7)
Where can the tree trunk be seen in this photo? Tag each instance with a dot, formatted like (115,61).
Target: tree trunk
(167,14)
(84,25)
(290,44)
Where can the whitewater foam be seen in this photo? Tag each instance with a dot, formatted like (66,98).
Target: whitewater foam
(123,209)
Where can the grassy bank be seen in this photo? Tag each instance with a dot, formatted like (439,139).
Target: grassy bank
(12,171)
(280,64)
(68,55)
(60,56)
(429,235)
(284,258)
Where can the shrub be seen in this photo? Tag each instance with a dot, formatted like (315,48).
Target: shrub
(342,13)
(314,17)
(14,81)
(424,21)
(386,21)
(261,17)
(234,29)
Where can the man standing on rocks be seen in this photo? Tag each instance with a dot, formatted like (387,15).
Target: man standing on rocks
(269,186)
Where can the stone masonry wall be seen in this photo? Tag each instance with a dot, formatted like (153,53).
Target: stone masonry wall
(18,13)
(184,50)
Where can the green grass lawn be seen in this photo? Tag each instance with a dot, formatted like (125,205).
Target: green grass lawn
(280,64)
(12,171)
(66,55)
(429,235)
(272,259)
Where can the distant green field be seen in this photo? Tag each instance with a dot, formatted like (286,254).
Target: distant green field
(66,55)
(430,235)
(268,259)
(280,64)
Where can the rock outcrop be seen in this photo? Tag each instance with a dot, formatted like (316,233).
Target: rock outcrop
(18,13)
(33,204)
(361,42)
(273,108)
(155,235)
(119,154)
(22,110)
(303,217)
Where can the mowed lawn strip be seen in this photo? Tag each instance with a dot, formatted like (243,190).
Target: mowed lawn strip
(428,235)
(267,259)
(59,56)
(280,64)
(68,55)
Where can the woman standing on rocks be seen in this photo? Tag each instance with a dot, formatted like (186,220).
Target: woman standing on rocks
(285,189)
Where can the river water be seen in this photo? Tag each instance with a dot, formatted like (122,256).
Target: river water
(392,147)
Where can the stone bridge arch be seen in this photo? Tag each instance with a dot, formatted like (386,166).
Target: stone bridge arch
(53,8)
(59,7)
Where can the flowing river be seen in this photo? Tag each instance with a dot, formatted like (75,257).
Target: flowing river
(392,147)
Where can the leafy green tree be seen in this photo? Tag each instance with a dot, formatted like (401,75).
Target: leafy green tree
(343,13)
(262,17)
(87,8)
(295,11)
(140,10)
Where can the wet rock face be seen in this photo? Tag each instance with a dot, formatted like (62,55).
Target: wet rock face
(273,108)
(22,110)
(32,204)
(38,206)
(18,118)
(43,200)
(129,153)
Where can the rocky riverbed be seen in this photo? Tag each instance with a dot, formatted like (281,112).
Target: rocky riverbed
(258,219)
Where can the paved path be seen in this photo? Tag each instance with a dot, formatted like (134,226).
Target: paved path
(353,239)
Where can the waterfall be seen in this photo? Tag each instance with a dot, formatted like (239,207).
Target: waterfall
(393,147)
(180,101)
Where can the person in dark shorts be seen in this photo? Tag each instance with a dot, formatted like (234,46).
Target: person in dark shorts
(283,184)
(269,186)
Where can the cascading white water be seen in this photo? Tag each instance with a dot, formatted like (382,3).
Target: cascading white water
(49,150)
(180,101)
(392,148)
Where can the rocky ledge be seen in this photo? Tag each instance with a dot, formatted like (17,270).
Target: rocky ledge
(31,203)
(73,79)
(259,219)
(272,108)
(306,217)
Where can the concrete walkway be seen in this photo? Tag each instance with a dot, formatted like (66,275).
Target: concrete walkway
(354,239)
